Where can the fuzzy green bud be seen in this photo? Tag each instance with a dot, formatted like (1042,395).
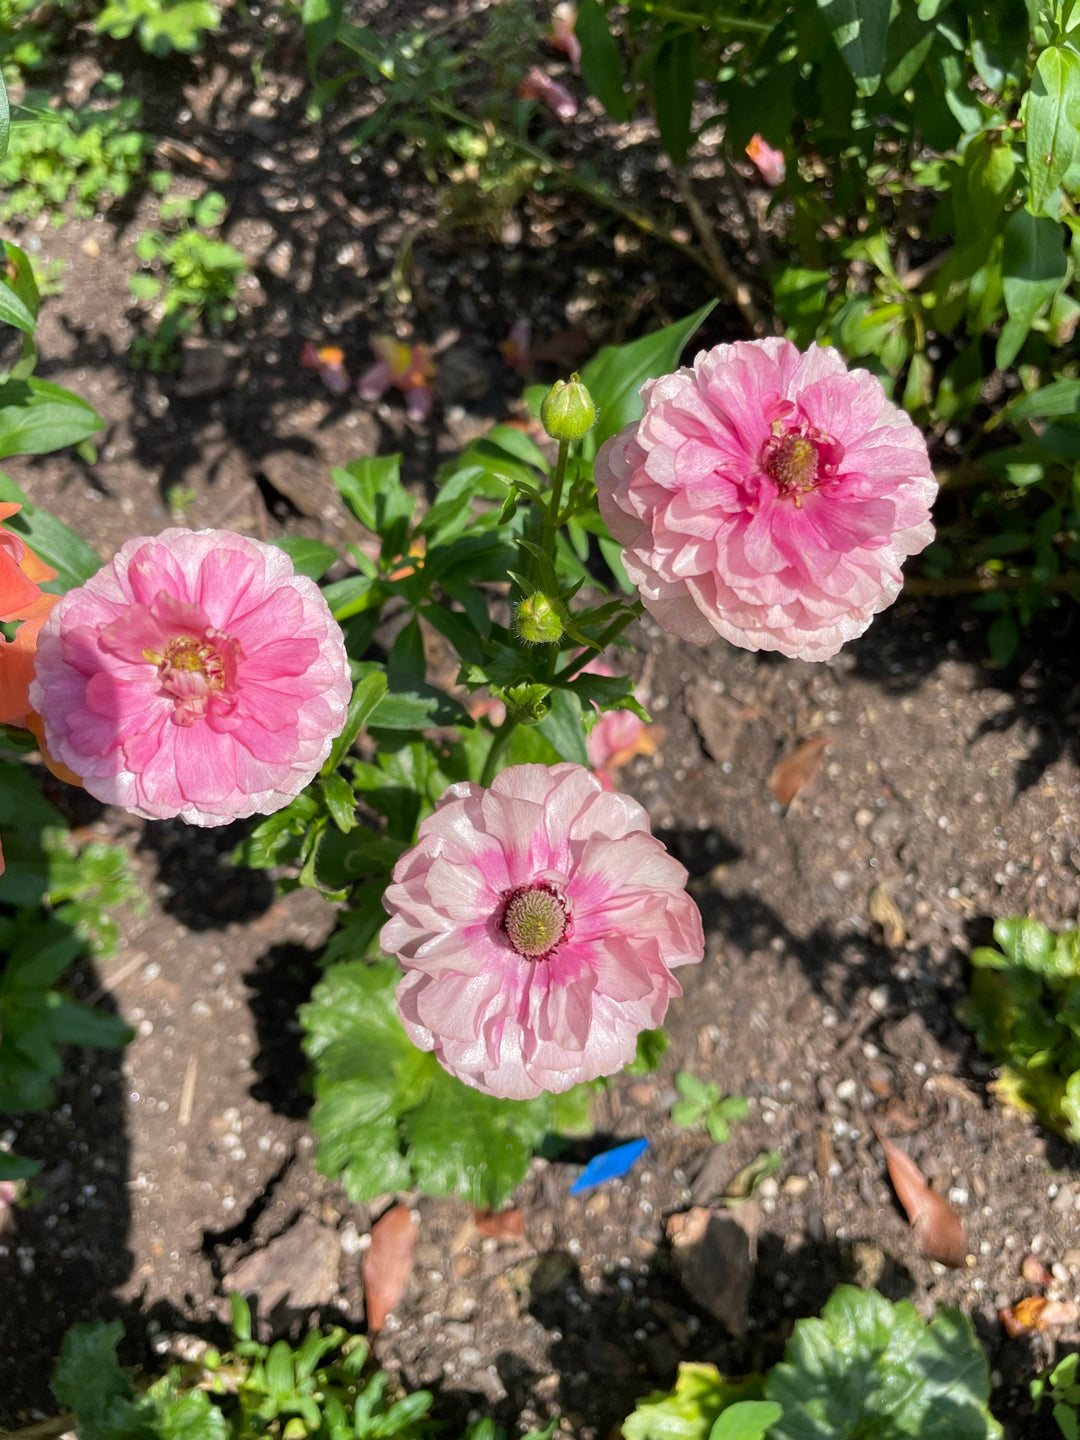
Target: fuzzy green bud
(539,620)
(567,411)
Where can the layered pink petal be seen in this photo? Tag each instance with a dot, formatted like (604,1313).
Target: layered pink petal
(196,675)
(511,1021)
(767,496)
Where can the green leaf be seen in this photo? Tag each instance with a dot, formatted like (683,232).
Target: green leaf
(690,1411)
(309,557)
(321,21)
(367,693)
(51,540)
(564,727)
(1052,128)
(387,1116)
(601,63)
(871,1369)
(1033,266)
(14,311)
(617,373)
(748,1420)
(174,1415)
(673,93)
(1067,1421)
(37,417)
(88,1380)
(5,119)
(860,29)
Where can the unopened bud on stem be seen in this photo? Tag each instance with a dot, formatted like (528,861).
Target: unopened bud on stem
(567,411)
(539,620)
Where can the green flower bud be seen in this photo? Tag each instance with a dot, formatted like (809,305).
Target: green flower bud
(539,620)
(525,703)
(567,411)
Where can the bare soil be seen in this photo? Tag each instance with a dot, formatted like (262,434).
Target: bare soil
(953,786)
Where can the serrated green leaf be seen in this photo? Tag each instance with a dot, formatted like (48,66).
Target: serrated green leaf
(875,1370)
(89,1381)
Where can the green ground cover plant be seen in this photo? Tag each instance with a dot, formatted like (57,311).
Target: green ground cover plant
(866,1369)
(160,26)
(1024,1007)
(72,160)
(191,276)
(701,1103)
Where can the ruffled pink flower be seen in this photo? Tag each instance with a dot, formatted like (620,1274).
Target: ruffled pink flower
(538,923)
(195,675)
(767,496)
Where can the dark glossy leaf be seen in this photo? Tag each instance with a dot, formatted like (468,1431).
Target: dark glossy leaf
(1033,267)
(321,21)
(860,29)
(601,62)
(37,417)
(673,93)
(367,693)
(564,727)
(1052,126)
(617,373)
(309,557)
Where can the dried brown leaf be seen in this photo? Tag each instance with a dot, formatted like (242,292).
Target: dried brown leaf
(501,1224)
(799,769)
(1035,1272)
(1035,1312)
(936,1224)
(388,1263)
(885,911)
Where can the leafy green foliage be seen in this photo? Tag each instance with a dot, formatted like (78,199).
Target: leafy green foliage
(1059,1385)
(82,159)
(1024,1007)
(389,1117)
(703,1406)
(161,26)
(866,1370)
(702,1102)
(871,1370)
(26,39)
(317,1389)
(190,275)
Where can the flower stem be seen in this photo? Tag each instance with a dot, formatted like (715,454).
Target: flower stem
(499,742)
(617,626)
(551,514)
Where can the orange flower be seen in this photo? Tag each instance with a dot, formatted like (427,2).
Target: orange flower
(21,572)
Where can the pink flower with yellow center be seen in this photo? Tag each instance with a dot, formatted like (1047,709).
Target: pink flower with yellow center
(538,923)
(767,496)
(196,675)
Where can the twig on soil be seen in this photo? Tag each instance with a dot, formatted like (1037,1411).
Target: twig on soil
(43,1429)
(718,261)
(187,1091)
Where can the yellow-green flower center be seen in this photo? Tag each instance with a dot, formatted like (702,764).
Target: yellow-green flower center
(793,464)
(534,920)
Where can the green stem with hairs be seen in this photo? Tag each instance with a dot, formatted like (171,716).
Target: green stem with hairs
(551,514)
(499,741)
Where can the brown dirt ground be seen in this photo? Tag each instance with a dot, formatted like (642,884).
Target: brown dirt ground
(952,785)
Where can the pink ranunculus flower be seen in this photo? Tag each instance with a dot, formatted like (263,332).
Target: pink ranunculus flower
(538,923)
(195,675)
(767,496)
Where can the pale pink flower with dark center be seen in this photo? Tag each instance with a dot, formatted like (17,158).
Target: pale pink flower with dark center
(538,923)
(767,496)
(195,675)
